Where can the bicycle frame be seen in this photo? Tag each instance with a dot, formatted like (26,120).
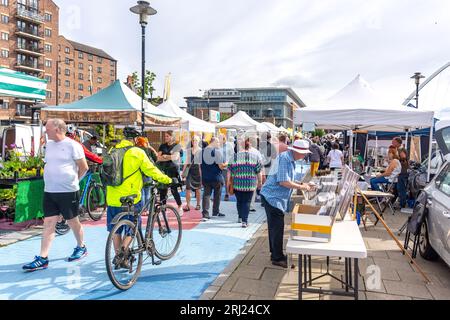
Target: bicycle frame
(89,175)
(151,206)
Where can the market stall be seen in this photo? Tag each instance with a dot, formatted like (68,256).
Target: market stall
(188,122)
(242,121)
(357,107)
(21,177)
(116,104)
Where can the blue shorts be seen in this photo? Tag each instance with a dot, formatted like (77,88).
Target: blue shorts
(111,212)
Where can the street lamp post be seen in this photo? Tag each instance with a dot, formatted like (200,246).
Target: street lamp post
(417,77)
(144,10)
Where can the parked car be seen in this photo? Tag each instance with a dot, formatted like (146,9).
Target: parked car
(435,231)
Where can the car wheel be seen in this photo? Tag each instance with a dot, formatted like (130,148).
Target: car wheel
(425,249)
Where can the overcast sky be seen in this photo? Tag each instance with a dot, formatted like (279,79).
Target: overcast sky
(315,47)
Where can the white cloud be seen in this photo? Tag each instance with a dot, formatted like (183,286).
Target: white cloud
(316,46)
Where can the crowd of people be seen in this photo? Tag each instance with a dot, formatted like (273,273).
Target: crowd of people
(246,166)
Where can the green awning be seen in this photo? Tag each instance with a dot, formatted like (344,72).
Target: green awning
(19,85)
(115,104)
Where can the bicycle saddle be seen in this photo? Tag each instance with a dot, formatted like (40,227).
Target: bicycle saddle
(128,199)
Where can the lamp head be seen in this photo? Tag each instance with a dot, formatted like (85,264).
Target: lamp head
(417,76)
(144,10)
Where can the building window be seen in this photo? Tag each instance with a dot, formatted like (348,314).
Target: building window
(48,63)
(90,57)
(80,87)
(5,53)
(67,72)
(5,105)
(90,89)
(113,73)
(4,2)
(67,61)
(5,19)
(48,78)
(48,32)
(21,109)
(99,69)
(59,82)
(67,83)
(5,36)
(48,17)
(80,55)
(80,66)
(48,48)
(67,50)
(99,59)
(80,76)
(49,94)
(67,96)
(99,80)
(112,64)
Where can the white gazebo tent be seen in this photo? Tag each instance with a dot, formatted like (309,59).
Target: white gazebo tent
(271,127)
(242,121)
(188,122)
(357,107)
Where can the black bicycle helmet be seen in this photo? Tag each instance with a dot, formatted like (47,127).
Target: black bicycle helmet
(130,132)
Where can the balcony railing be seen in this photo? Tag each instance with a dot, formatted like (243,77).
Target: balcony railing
(24,113)
(30,65)
(30,48)
(31,32)
(30,13)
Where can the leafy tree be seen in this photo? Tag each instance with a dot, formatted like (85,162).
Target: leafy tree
(318,133)
(111,134)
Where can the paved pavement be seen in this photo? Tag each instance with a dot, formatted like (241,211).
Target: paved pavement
(206,250)
(217,260)
(252,276)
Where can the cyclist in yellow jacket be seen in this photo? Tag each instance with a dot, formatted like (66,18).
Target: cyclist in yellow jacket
(135,164)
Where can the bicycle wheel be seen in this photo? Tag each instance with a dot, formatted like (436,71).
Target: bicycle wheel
(62,227)
(166,232)
(124,266)
(96,201)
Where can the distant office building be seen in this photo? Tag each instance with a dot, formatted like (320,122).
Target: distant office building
(274,105)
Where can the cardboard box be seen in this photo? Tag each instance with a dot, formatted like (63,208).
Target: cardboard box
(309,225)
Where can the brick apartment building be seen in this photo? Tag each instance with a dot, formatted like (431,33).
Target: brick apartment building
(30,42)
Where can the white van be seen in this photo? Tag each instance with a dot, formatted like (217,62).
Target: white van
(25,138)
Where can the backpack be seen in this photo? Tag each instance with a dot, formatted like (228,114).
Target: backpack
(111,172)
(419,214)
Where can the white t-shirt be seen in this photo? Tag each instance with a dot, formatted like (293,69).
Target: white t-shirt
(335,158)
(61,170)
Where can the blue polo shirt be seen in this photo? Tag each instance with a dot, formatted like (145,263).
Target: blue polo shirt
(282,171)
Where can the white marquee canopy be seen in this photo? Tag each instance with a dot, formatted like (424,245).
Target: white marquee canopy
(242,121)
(188,122)
(357,106)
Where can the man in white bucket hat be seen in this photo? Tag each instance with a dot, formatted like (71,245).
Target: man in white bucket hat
(276,193)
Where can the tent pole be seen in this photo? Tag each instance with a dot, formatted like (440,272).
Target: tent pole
(376,150)
(350,151)
(104,134)
(407,136)
(430,149)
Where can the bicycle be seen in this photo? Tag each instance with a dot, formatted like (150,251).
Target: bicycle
(162,237)
(94,195)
